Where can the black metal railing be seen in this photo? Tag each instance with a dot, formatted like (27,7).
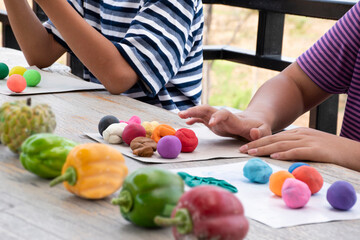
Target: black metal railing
(268,53)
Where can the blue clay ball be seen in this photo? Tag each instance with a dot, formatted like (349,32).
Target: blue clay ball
(258,171)
(105,122)
(341,195)
(296,165)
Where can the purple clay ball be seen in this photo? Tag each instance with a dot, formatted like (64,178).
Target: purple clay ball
(169,147)
(341,195)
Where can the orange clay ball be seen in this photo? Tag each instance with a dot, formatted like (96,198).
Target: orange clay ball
(310,176)
(16,83)
(277,180)
(161,131)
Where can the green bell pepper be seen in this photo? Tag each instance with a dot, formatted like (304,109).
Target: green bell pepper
(44,154)
(147,193)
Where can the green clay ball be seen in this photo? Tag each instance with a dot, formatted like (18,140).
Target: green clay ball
(4,70)
(32,77)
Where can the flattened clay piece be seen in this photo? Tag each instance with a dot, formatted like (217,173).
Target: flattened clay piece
(161,131)
(193,181)
(277,180)
(143,146)
(295,193)
(258,171)
(341,195)
(310,176)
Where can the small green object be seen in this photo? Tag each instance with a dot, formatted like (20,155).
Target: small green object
(149,192)
(182,221)
(44,154)
(4,70)
(193,181)
(32,77)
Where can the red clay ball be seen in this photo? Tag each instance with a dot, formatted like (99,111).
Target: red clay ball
(132,131)
(188,139)
(16,83)
(310,176)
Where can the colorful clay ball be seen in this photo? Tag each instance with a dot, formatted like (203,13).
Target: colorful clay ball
(188,139)
(296,165)
(132,131)
(310,176)
(169,147)
(105,122)
(295,193)
(277,180)
(16,83)
(4,70)
(32,77)
(17,70)
(341,195)
(258,171)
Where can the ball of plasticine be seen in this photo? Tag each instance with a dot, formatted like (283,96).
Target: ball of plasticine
(4,70)
(188,139)
(133,119)
(295,193)
(132,131)
(161,131)
(113,133)
(17,70)
(258,171)
(143,146)
(16,83)
(169,147)
(105,122)
(296,165)
(149,127)
(32,77)
(341,195)
(277,180)
(310,176)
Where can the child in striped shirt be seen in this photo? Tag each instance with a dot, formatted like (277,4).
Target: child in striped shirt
(330,66)
(147,50)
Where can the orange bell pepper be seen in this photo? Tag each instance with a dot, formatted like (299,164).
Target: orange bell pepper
(93,171)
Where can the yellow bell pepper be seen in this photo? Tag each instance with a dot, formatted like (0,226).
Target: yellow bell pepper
(93,171)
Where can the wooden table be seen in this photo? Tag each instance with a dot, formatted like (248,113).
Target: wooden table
(30,209)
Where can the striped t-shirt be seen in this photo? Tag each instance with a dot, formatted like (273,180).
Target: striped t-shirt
(160,39)
(333,63)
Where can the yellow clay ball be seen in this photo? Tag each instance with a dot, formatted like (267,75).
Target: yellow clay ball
(17,70)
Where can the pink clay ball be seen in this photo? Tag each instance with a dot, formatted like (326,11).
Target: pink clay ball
(16,83)
(132,131)
(295,193)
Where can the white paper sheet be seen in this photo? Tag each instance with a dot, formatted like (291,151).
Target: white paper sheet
(210,146)
(262,205)
(53,82)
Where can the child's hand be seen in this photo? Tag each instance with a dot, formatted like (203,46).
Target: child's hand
(225,123)
(307,144)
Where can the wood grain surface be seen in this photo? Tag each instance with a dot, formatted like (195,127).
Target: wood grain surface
(30,209)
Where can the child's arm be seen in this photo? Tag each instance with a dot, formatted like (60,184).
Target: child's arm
(38,46)
(275,105)
(96,52)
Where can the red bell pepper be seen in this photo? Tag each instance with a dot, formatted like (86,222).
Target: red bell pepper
(207,212)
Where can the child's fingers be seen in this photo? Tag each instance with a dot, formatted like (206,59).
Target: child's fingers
(203,111)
